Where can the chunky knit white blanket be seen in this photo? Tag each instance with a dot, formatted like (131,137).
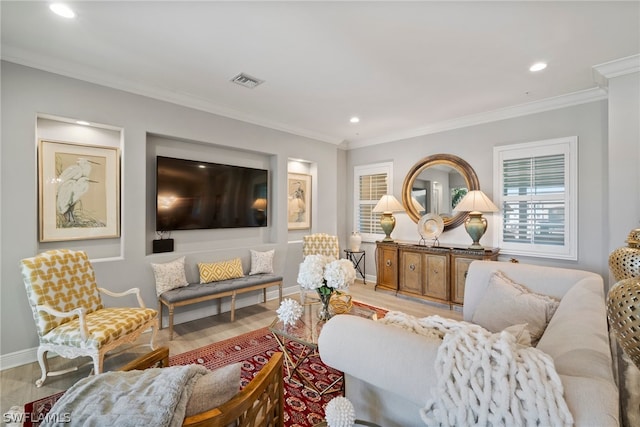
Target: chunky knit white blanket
(487,379)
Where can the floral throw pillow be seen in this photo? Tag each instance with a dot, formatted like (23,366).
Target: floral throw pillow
(261,262)
(169,275)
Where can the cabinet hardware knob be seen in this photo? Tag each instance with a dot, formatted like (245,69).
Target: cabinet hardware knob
(412,267)
(388,263)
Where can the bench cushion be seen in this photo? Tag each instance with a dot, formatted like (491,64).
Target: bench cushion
(196,290)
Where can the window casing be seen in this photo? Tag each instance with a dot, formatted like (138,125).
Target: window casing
(535,186)
(371,182)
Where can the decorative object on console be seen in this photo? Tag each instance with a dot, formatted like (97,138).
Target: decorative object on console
(623,304)
(476,202)
(387,206)
(169,275)
(340,412)
(355,240)
(289,311)
(624,262)
(321,273)
(261,262)
(430,227)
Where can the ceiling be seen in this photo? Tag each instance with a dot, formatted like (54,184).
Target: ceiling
(404,68)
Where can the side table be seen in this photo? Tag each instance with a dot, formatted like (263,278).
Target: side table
(359,262)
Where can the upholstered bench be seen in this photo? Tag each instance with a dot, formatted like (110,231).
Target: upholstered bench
(199,292)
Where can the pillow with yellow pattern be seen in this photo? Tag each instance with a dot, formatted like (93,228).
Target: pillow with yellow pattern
(223,270)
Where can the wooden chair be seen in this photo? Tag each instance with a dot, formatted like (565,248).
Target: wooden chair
(68,311)
(259,404)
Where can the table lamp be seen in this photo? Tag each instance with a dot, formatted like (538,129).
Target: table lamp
(475,202)
(387,206)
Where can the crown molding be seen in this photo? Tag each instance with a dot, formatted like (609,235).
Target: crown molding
(619,67)
(575,98)
(92,75)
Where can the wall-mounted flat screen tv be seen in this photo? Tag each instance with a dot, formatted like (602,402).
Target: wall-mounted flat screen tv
(194,195)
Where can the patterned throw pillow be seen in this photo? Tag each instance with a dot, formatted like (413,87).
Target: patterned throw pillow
(169,275)
(261,262)
(216,271)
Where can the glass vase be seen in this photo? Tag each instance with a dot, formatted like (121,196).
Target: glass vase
(324,313)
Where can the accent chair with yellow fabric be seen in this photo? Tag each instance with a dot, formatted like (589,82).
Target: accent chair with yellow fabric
(68,311)
(321,244)
(318,244)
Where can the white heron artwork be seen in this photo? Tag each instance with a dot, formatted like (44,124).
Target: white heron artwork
(73,184)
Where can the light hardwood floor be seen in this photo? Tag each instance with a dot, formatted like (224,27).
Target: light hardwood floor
(17,384)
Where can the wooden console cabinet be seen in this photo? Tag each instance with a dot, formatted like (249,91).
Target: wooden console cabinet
(432,273)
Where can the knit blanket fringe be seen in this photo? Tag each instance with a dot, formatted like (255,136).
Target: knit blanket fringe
(487,379)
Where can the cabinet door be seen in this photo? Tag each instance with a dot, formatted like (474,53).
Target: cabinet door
(387,267)
(460,267)
(410,268)
(436,277)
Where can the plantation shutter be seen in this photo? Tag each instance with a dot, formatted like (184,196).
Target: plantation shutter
(371,183)
(371,190)
(538,198)
(533,203)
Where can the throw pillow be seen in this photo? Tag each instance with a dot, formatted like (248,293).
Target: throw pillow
(223,270)
(523,337)
(261,262)
(214,389)
(169,275)
(507,303)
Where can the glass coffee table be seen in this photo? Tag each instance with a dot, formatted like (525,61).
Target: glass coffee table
(305,332)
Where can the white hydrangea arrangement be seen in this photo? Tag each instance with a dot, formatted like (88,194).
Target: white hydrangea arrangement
(326,275)
(340,412)
(289,311)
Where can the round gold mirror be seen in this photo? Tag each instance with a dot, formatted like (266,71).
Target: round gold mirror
(435,185)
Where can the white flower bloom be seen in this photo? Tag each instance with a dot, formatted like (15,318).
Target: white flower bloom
(340,274)
(340,412)
(289,311)
(311,273)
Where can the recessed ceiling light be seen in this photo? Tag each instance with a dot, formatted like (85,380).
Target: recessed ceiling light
(83,123)
(538,66)
(354,119)
(62,10)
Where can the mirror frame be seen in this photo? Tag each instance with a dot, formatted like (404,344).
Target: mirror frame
(455,162)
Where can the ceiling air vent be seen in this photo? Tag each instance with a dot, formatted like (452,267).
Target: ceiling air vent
(246,80)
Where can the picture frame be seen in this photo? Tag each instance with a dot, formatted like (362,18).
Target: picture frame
(78,191)
(299,201)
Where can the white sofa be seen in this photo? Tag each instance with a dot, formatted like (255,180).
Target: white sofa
(389,371)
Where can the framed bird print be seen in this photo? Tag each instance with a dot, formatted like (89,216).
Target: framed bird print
(79,191)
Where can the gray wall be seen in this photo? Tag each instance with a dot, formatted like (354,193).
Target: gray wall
(475,145)
(145,124)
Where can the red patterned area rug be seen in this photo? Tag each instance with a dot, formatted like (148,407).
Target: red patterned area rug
(303,407)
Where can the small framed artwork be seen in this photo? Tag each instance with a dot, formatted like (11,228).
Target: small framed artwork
(79,191)
(299,201)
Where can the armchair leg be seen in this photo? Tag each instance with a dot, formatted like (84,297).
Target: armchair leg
(98,360)
(44,365)
(154,331)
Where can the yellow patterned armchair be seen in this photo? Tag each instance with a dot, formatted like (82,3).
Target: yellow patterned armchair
(321,244)
(70,317)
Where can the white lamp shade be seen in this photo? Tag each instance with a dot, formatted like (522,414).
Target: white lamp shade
(388,204)
(476,201)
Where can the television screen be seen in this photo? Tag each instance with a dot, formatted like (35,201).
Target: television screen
(196,195)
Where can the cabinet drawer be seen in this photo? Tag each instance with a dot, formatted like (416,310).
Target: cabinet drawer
(461,266)
(436,277)
(410,268)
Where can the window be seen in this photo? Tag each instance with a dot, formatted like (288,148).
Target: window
(536,187)
(371,182)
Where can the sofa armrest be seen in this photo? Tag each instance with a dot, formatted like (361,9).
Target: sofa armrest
(385,356)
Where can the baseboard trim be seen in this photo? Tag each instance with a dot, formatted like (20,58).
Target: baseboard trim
(18,358)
